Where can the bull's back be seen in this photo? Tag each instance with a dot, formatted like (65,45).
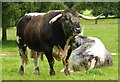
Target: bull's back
(22,24)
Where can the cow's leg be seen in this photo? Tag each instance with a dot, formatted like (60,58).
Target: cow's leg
(23,54)
(35,56)
(36,70)
(51,62)
(23,59)
(65,62)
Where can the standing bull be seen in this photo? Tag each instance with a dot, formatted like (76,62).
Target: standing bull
(89,52)
(44,32)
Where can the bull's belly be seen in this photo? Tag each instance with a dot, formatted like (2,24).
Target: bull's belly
(36,46)
(37,49)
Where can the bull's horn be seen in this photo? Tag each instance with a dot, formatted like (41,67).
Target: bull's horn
(55,18)
(88,18)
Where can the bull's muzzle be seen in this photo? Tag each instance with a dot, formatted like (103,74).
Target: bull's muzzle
(77,31)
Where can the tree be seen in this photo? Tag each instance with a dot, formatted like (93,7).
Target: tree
(69,4)
(107,8)
(10,16)
(58,6)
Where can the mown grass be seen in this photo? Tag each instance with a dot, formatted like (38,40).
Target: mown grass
(106,30)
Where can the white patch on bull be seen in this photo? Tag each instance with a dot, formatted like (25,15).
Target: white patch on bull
(21,61)
(25,45)
(17,39)
(36,62)
(35,14)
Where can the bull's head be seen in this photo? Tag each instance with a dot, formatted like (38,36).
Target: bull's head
(70,20)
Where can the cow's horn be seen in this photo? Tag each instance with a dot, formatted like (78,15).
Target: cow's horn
(88,18)
(55,18)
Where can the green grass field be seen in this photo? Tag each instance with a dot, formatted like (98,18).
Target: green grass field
(106,30)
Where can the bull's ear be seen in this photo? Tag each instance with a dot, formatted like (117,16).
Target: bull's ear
(55,18)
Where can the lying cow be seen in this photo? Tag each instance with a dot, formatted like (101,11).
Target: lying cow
(89,52)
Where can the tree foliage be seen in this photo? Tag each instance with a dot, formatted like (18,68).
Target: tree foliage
(10,14)
(107,8)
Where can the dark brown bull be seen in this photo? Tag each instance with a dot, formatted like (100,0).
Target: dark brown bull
(44,32)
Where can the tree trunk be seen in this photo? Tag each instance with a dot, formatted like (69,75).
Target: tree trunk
(106,16)
(96,21)
(4,34)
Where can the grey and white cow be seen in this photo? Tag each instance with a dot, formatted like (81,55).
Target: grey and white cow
(89,52)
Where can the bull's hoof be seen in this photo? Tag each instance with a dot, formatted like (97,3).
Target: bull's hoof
(36,73)
(67,72)
(52,73)
(21,71)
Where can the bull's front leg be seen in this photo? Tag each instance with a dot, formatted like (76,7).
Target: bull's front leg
(51,62)
(66,63)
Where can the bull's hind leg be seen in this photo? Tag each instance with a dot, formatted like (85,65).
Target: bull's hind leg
(23,54)
(23,59)
(35,56)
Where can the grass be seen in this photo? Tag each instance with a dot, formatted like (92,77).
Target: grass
(106,30)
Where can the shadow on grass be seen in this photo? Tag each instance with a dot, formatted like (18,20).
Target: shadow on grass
(9,44)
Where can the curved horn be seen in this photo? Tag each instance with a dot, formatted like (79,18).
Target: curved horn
(55,18)
(88,18)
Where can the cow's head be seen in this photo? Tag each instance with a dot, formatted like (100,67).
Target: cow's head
(70,20)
